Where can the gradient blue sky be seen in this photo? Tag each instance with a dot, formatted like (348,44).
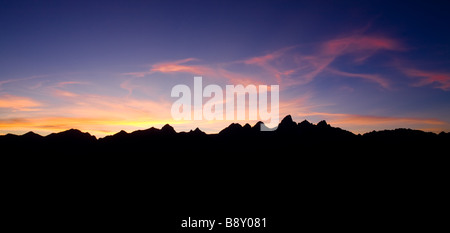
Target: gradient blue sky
(103,66)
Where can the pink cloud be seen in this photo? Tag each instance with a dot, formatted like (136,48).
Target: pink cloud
(59,89)
(362,47)
(265,59)
(375,78)
(214,71)
(138,74)
(237,78)
(354,44)
(287,66)
(311,67)
(19,103)
(291,67)
(174,67)
(427,77)
(63,93)
(7,81)
(178,66)
(63,84)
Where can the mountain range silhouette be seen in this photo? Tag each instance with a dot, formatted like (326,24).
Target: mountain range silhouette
(298,176)
(287,137)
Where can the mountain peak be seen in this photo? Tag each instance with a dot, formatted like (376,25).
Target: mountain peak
(75,131)
(32,134)
(232,128)
(73,134)
(287,124)
(287,119)
(305,123)
(167,129)
(121,133)
(323,124)
(197,131)
(258,124)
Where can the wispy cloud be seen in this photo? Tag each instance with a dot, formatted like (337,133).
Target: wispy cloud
(66,83)
(173,67)
(180,66)
(375,78)
(59,89)
(63,93)
(289,66)
(359,47)
(211,71)
(19,103)
(362,46)
(441,80)
(7,81)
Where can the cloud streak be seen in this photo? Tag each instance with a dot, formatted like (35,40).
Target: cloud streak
(362,46)
(375,78)
(289,66)
(19,103)
(440,80)
(309,66)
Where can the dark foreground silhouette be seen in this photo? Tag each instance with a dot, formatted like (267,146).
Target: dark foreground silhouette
(301,177)
(289,139)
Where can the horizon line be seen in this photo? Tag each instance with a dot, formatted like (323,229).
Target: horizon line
(242,125)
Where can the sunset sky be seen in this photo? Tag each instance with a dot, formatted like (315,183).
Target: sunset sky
(104,66)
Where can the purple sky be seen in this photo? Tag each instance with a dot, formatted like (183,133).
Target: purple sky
(103,66)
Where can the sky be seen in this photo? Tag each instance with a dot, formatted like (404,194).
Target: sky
(106,66)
